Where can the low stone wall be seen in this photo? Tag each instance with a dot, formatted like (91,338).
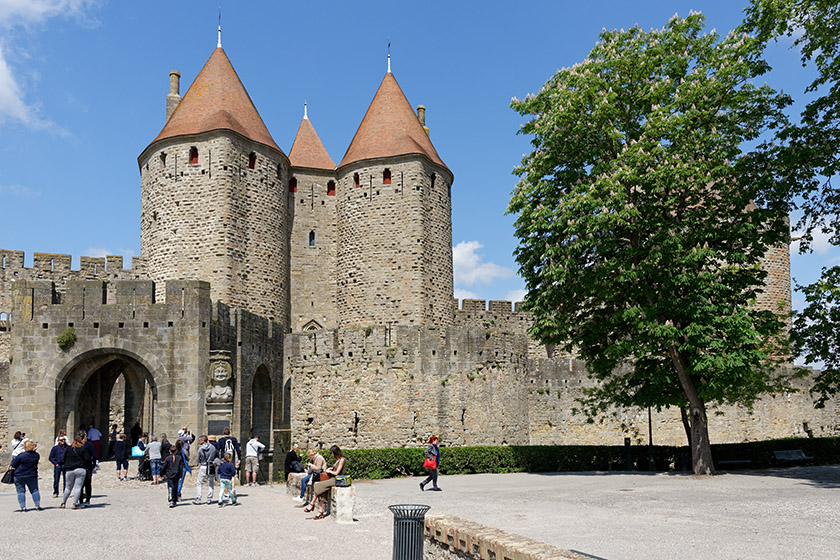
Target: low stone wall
(449,538)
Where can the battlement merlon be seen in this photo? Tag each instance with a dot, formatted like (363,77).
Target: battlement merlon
(91,299)
(57,267)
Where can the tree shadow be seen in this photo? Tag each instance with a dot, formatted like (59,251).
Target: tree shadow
(821,477)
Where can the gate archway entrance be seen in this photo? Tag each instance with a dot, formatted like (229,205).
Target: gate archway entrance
(261,414)
(84,394)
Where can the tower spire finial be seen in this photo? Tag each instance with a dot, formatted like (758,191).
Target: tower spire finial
(389,56)
(219,44)
(304,111)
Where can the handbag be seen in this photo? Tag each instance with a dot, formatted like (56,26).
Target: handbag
(136,452)
(429,463)
(8,476)
(323,476)
(343,481)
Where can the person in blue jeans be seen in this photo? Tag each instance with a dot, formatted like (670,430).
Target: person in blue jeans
(316,465)
(227,481)
(26,475)
(57,461)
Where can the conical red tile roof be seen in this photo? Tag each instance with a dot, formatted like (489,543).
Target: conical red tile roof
(217,100)
(390,128)
(308,151)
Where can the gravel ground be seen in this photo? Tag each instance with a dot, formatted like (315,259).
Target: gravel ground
(778,514)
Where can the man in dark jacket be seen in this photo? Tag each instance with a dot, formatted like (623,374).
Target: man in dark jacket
(57,461)
(229,444)
(171,469)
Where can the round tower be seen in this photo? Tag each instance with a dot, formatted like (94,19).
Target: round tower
(213,205)
(394,220)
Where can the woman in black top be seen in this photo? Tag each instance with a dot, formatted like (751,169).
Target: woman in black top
(77,459)
(171,469)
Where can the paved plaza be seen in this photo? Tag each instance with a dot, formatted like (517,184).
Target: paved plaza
(783,514)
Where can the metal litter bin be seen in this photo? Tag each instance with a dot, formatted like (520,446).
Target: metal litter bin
(408,530)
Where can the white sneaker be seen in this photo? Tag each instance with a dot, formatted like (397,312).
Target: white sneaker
(297,499)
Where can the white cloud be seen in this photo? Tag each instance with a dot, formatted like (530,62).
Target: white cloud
(25,14)
(819,245)
(470,270)
(465,294)
(97,252)
(516,295)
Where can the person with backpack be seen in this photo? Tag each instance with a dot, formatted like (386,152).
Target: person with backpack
(227,481)
(229,444)
(206,457)
(171,469)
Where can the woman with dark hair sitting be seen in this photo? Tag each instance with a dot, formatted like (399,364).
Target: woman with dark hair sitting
(322,487)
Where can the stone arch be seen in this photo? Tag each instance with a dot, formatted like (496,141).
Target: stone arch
(84,386)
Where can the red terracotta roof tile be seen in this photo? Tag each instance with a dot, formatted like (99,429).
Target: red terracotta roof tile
(307,149)
(389,128)
(217,100)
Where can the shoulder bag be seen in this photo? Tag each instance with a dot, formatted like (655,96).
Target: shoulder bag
(429,463)
(8,476)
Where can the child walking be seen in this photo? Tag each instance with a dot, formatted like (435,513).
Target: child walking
(227,475)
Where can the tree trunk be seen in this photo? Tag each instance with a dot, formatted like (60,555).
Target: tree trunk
(701,449)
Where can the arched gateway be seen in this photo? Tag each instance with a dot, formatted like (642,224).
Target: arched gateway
(86,395)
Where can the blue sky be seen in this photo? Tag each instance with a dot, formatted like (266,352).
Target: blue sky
(83,86)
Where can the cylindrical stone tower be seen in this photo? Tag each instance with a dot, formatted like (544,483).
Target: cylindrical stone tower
(213,202)
(394,221)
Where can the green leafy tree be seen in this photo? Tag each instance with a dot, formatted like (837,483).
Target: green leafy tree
(639,239)
(811,152)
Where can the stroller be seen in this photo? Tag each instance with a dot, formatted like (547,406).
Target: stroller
(144,470)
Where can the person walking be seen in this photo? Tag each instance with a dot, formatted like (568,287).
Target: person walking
(253,451)
(227,481)
(121,452)
(155,450)
(57,460)
(206,458)
(185,464)
(112,439)
(141,459)
(432,463)
(229,444)
(76,460)
(172,465)
(26,475)
(87,487)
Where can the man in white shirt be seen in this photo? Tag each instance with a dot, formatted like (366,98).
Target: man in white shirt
(94,436)
(253,450)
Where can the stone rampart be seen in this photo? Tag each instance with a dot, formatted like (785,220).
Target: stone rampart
(57,269)
(450,538)
(5,351)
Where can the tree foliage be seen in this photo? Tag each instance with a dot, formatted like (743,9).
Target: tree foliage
(811,151)
(639,240)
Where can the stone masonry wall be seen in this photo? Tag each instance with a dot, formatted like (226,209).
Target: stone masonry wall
(393,387)
(380,387)
(168,340)
(313,265)
(218,220)
(394,265)
(56,268)
(5,352)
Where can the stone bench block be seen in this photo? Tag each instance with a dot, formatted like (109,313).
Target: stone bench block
(343,501)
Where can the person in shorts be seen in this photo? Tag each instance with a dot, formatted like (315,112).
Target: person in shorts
(253,450)
(121,457)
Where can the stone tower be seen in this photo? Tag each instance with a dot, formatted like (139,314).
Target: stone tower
(213,200)
(313,242)
(394,220)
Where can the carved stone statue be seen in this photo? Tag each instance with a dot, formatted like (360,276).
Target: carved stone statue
(220,390)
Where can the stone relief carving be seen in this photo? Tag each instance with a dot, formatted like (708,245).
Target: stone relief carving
(220,391)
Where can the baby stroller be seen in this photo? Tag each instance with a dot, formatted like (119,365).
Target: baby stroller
(144,470)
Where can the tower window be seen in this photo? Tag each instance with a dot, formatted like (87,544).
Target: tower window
(356,179)
(386,177)
(311,238)
(331,188)
(193,155)
(292,185)
(433,180)
(279,171)
(252,160)
(163,159)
